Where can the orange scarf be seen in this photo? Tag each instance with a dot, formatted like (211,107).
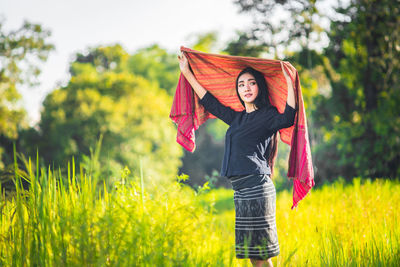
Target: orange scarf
(217,74)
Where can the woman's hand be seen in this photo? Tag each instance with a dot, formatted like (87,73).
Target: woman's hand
(288,80)
(183,64)
(290,98)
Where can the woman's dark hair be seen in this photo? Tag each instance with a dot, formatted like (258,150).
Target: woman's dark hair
(262,100)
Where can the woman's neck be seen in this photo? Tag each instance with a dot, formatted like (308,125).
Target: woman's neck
(250,107)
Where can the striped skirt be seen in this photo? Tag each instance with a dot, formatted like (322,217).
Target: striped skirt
(255,224)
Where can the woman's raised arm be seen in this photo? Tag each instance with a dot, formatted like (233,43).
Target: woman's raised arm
(184,66)
(208,101)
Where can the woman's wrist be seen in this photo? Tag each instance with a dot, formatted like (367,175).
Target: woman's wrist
(187,73)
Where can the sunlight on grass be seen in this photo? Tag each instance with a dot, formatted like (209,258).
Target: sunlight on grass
(78,223)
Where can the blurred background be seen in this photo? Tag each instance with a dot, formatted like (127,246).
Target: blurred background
(94,80)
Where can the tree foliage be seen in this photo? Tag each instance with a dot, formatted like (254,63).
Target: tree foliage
(21,51)
(156,65)
(245,45)
(278,25)
(361,117)
(353,109)
(104,99)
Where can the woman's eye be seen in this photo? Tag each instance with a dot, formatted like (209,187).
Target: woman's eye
(241,85)
(253,83)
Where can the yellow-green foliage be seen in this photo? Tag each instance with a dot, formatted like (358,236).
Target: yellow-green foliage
(104,98)
(339,225)
(57,224)
(336,225)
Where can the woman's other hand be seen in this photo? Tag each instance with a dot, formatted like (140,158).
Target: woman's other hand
(184,66)
(183,63)
(290,98)
(288,80)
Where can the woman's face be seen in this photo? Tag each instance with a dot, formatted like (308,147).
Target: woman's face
(247,88)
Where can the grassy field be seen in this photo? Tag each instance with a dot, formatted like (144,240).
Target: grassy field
(71,223)
(337,225)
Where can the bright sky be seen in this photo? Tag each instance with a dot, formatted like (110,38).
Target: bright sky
(79,24)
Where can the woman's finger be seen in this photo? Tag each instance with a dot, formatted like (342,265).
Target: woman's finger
(283,69)
(181,57)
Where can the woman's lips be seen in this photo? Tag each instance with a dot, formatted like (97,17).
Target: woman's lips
(248,95)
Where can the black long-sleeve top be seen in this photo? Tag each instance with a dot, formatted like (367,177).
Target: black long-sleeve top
(249,134)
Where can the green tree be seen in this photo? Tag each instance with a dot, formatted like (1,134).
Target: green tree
(354,116)
(361,116)
(245,45)
(21,52)
(279,25)
(156,65)
(104,58)
(104,99)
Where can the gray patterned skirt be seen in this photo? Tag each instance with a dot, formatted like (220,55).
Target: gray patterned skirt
(255,224)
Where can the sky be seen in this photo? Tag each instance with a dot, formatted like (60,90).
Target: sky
(79,24)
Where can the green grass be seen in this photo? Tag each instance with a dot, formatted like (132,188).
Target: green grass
(76,223)
(336,225)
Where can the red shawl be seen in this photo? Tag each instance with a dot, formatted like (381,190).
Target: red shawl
(217,74)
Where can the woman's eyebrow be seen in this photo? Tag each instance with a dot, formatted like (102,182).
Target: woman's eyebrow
(251,79)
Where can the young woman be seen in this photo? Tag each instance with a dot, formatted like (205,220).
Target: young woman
(250,147)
